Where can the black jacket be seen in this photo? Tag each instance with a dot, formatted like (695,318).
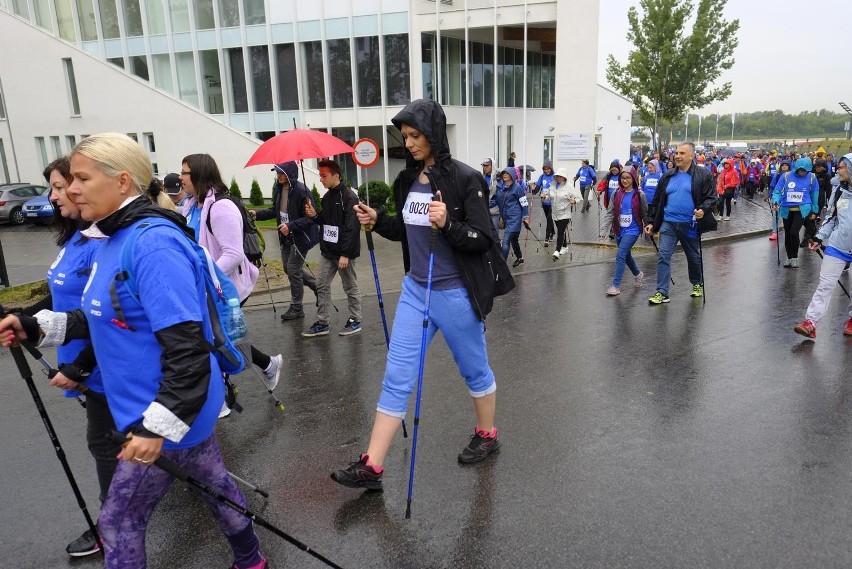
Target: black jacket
(338,209)
(304,232)
(703,196)
(468,230)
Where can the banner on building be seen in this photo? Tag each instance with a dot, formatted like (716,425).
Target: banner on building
(573,146)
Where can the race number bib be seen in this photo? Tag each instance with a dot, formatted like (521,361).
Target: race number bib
(582,180)
(651,182)
(285,218)
(416,210)
(613,184)
(330,233)
(795,197)
(625,220)
(523,201)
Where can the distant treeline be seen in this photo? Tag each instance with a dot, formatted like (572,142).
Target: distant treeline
(764,124)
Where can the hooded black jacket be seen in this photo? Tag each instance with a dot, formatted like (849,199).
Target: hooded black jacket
(305,232)
(468,230)
(338,209)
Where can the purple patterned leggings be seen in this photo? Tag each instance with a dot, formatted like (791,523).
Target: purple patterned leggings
(136,490)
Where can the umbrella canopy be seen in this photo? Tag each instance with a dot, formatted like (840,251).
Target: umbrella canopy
(298,144)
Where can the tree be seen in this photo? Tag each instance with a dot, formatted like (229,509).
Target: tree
(669,72)
(234,190)
(256,196)
(379,193)
(317,199)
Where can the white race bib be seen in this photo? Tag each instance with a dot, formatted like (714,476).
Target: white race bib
(330,233)
(613,184)
(416,209)
(523,201)
(582,180)
(651,182)
(285,218)
(795,197)
(625,220)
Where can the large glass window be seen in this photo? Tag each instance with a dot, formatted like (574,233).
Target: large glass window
(211,82)
(179,15)
(163,72)
(187,87)
(109,19)
(156,16)
(312,70)
(65,19)
(452,71)
(117,61)
(139,66)
(261,78)
(229,13)
(72,86)
(427,65)
(132,18)
(86,16)
(397,83)
(369,72)
(253,11)
(477,88)
(19,7)
(237,73)
(501,77)
(488,74)
(204,15)
(285,59)
(42,14)
(520,78)
(340,73)
(2,108)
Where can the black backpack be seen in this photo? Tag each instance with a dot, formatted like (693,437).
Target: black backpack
(253,242)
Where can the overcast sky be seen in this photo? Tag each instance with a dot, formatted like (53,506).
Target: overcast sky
(777,40)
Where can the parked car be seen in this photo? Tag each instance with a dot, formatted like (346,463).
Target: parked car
(38,209)
(12,199)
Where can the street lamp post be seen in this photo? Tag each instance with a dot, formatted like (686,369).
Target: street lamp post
(699,130)
(717,128)
(849,123)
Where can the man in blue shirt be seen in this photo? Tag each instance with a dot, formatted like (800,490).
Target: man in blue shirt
(683,201)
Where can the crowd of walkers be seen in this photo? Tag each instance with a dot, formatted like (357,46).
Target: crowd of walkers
(129,304)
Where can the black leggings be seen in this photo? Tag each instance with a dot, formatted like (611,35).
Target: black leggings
(725,201)
(792,224)
(561,232)
(99,428)
(548,215)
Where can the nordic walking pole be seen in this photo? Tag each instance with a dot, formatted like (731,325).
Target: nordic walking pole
(527,225)
(819,252)
(248,484)
(701,263)
(245,349)
(433,243)
(777,239)
(180,474)
(654,242)
(268,288)
(305,264)
(27,376)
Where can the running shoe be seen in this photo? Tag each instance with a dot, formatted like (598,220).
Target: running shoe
(555,255)
(697,291)
(659,298)
(518,262)
(264,564)
(806,328)
(352,327)
(847,331)
(794,263)
(359,475)
(613,291)
(773,237)
(293,314)
(480,446)
(84,545)
(637,280)
(726,218)
(224,411)
(273,372)
(316,329)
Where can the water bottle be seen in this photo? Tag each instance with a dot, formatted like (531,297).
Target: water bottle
(236,325)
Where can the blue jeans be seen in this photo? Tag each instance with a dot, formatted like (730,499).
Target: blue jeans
(511,237)
(623,256)
(450,312)
(670,234)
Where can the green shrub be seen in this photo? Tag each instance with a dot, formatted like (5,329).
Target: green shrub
(317,199)
(379,193)
(235,189)
(256,196)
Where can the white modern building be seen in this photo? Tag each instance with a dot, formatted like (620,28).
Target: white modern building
(220,76)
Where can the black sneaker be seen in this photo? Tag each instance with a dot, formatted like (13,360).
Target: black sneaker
(359,475)
(518,262)
(479,447)
(84,545)
(293,314)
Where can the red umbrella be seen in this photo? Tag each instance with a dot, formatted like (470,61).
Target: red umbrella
(298,144)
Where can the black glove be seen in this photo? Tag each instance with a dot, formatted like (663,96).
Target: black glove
(70,371)
(30,326)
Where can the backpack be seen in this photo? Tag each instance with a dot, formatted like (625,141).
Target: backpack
(219,289)
(253,241)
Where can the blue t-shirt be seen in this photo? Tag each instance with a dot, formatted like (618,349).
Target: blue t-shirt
(649,185)
(585,175)
(193,218)
(680,207)
(545,183)
(626,220)
(170,285)
(415,214)
(66,279)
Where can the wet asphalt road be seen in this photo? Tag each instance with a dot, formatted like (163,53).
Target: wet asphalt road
(680,435)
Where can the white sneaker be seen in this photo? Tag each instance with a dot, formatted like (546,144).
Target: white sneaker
(613,291)
(273,372)
(225,410)
(637,280)
(556,255)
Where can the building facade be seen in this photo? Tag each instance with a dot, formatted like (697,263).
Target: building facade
(220,76)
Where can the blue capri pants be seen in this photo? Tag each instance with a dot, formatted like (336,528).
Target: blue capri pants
(450,312)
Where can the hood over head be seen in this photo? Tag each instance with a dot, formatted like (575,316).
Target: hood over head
(547,164)
(803,164)
(291,169)
(428,117)
(615,164)
(512,172)
(820,150)
(656,164)
(788,163)
(563,172)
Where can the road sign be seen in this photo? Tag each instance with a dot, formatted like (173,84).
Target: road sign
(366,152)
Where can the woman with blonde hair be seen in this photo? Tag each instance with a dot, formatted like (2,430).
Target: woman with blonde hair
(163,386)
